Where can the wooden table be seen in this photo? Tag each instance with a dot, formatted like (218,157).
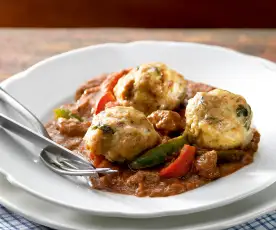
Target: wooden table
(21,48)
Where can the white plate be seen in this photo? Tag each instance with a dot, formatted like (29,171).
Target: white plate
(54,80)
(59,217)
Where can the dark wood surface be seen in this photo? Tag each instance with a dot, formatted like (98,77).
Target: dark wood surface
(138,13)
(21,48)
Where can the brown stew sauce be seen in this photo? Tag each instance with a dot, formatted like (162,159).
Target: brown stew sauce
(205,169)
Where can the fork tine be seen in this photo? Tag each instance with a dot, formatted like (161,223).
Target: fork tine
(76,172)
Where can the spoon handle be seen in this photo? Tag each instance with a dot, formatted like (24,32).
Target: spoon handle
(23,111)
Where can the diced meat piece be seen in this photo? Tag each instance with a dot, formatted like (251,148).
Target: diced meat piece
(194,181)
(253,145)
(145,177)
(70,107)
(72,143)
(166,121)
(87,101)
(94,82)
(112,104)
(194,87)
(68,142)
(72,127)
(206,165)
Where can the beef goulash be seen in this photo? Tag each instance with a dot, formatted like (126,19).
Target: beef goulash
(163,133)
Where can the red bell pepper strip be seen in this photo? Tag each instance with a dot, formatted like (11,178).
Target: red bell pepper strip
(112,79)
(97,159)
(107,97)
(182,164)
(107,89)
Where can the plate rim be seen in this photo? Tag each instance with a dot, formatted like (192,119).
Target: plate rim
(267,64)
(40,219)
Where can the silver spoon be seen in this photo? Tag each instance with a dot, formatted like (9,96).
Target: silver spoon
(55,156)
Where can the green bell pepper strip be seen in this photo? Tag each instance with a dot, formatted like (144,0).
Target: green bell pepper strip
(67,114)
(158,155)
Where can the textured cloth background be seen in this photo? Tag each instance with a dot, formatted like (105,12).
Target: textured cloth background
(11,221)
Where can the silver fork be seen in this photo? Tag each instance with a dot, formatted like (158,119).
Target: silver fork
(55,156)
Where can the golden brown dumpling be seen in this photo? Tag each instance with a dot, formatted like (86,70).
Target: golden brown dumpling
(218,120)
(150,87)
(120,133)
